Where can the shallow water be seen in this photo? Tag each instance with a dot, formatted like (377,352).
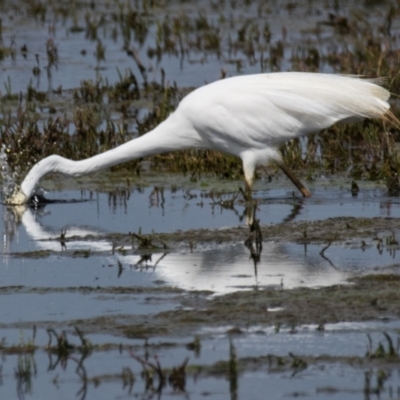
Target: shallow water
(324,379)
(295,24)
(217,267)
(182,209)
(51,286)
(84,279)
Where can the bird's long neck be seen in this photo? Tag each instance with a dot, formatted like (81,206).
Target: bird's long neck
(172,134)
(164,138)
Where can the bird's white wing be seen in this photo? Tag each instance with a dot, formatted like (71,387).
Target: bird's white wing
(268,109)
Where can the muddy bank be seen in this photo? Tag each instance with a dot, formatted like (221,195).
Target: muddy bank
(367,298)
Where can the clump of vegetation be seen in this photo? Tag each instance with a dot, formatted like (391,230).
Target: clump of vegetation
(98,115)
(381,352)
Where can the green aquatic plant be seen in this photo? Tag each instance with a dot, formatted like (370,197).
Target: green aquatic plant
(381,351)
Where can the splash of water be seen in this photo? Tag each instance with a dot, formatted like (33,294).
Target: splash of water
(9,176)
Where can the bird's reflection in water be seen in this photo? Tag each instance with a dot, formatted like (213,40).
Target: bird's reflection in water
(298,204)
(194,266)
(254,241)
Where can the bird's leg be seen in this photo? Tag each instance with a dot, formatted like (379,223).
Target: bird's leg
(305,192)
(246,193)
(249,203)
(254,241)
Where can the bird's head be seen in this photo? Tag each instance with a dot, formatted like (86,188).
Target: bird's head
(17,197)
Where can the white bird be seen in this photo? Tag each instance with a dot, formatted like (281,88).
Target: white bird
(247,116)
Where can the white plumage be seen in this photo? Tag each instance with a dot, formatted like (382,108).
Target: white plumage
(247,116)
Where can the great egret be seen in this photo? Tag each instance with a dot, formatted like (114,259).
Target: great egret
(247,116)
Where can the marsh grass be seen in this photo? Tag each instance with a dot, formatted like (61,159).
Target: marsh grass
(83,123)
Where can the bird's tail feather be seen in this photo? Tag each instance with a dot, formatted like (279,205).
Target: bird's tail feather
(391,119)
